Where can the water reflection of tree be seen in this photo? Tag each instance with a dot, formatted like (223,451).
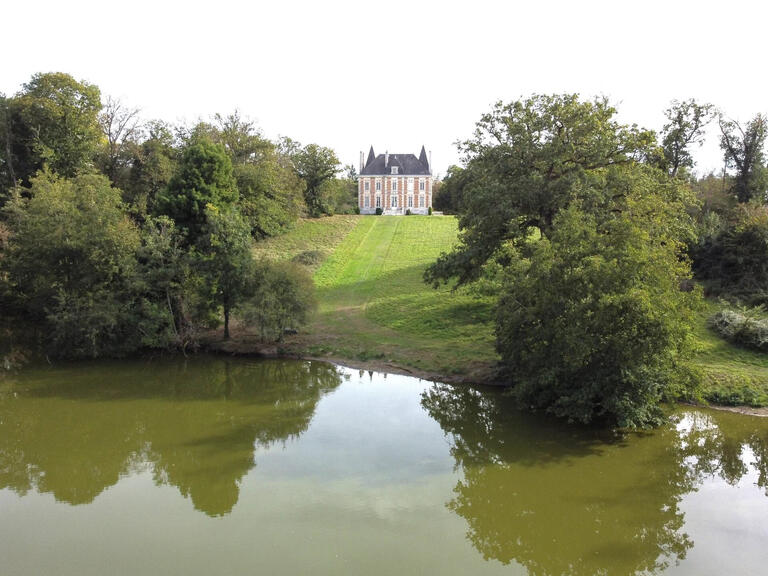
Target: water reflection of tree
(725,445)
(568,500)
(194,424)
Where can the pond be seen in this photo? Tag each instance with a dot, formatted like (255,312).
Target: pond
(233,466)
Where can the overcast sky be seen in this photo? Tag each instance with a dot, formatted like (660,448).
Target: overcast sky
(393,74)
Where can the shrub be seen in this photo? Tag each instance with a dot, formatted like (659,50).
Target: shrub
(379,211)
(408,212)
(745,327)
(281,298)
(309,258)
(429,211)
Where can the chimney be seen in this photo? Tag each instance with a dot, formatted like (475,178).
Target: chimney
(386,158)
(430,162)
(361,160)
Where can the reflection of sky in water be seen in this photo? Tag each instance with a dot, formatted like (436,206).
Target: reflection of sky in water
(383,430)
(368,477)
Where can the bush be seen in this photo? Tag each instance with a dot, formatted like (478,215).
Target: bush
(745,327)
(379,211)
(408,212)
(592,324)
(71,266)
(281,298)
(309,258)
(429,211)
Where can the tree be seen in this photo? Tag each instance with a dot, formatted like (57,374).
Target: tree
(7,173)
(744,150)
(119,124)
(71,265)
(447,193)
(54,123)
(204,178)
(226,258)
(527,161)
(592,323)
(271,193)
(280,298)
(316,165)
(685,128)
(153,163)
(240,137)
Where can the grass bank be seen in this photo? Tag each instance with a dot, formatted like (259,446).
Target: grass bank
(373,307)
(732,375)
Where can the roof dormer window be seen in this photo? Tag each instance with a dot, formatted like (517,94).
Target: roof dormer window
(394,169)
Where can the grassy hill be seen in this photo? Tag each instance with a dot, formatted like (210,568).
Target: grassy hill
(372,303)
(374,308)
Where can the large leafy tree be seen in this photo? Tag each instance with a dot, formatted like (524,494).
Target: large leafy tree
(588,239)
(271,193)
(316,165)
(70,264)
(204,178)
(685,126)
(592,322)
(527,161)
(744,150)
(226,258)
(153,162)
(54,123)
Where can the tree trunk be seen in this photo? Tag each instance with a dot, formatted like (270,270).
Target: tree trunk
(226,322)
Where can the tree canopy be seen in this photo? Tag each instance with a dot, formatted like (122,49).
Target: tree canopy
(744,149)
(528,160)
(316,165)
(54,123)
(204,178)
(587,240)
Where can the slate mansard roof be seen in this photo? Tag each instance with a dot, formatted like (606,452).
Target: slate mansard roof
(407,164)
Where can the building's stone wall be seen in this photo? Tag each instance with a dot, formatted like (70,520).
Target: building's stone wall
(367,190)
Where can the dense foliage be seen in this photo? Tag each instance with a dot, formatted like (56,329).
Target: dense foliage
(584,237)
(70,264)
(592,322)
(118,235)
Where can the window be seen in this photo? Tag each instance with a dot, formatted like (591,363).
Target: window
(378,185)
(421,184)
(410,185)
(366,202)
(378,201)
(410,200)
(393,201)
(394,184)
(421,200)
(394,169)
(367,185)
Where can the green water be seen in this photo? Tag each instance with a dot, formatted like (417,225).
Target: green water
(220,466)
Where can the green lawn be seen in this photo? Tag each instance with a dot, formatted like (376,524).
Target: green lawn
(732,375)
(373,304)
(320,235)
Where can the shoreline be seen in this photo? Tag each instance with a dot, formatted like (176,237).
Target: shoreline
(233,348)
